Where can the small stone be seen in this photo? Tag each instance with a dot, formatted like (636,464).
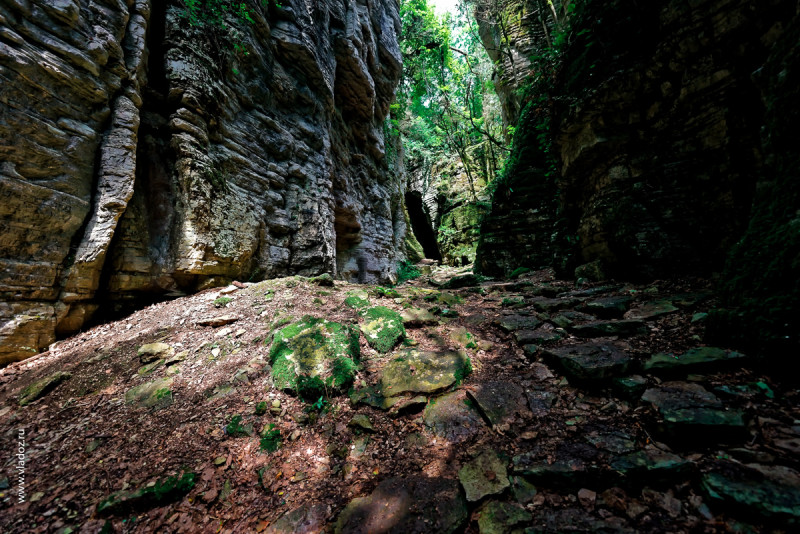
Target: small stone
(499,401)
(548,305)
(177,358)
(771,492)
(222,332)
(689,411)
(162,492)
(382,328)
(501,517)
(323,280)
(536,337)
(361,422)
(464,280)
(156,394)
(221,320)
(541,401)
(630,387)
(409,504)
(154,351)
(523,491)
(512,323)
(417,317)
(220,460)
(700,358)
(587,498)
(608,307)
(594,271)
(485,475)
(651,310)
(452,418)
(305,519)
(150,367)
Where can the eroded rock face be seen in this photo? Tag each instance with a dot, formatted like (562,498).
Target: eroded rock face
(656,148)
(141,155)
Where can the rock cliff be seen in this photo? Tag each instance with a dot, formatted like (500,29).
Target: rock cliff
(653,124)
(141,155)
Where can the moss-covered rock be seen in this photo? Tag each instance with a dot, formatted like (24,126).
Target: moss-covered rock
(314,347)
(357,299)
(383,328)
(423,372)
(164,491)
(485,475)
(156,394)
(42,387)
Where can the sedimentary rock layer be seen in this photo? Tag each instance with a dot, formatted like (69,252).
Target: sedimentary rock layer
(646,150)
(141,154)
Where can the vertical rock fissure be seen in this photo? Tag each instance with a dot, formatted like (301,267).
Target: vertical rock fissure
(421,225)
(113,182)
(153,195)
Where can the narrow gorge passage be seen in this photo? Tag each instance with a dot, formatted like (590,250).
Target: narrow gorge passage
(399,266)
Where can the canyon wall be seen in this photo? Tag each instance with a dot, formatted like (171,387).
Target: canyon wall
(653,146)
(663,145)
(143,156)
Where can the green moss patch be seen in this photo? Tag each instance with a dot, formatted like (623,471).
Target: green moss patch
(383,328)
(164,491)
(314,347)
(42,387)
(156,394)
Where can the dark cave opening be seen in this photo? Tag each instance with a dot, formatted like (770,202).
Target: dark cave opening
(421,226)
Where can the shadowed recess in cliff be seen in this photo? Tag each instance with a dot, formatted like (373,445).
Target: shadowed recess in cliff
(421,225)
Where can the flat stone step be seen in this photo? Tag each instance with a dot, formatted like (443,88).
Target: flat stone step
(693,360)
(771,493)
(589,362)
(622,328)
(690,412)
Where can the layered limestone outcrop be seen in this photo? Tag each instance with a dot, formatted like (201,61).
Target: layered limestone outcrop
(141,155)
(653,143)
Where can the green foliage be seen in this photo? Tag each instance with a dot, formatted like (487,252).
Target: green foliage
(387,292)
(462,372)
(270,439)
(446,105)
(310,387)
(519,271)
(221,302)
(407,271)
(321,405)
(236,429)
(261,408)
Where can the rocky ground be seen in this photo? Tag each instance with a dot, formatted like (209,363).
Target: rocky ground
(448,404)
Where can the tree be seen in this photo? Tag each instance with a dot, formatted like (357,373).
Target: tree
(446,103)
